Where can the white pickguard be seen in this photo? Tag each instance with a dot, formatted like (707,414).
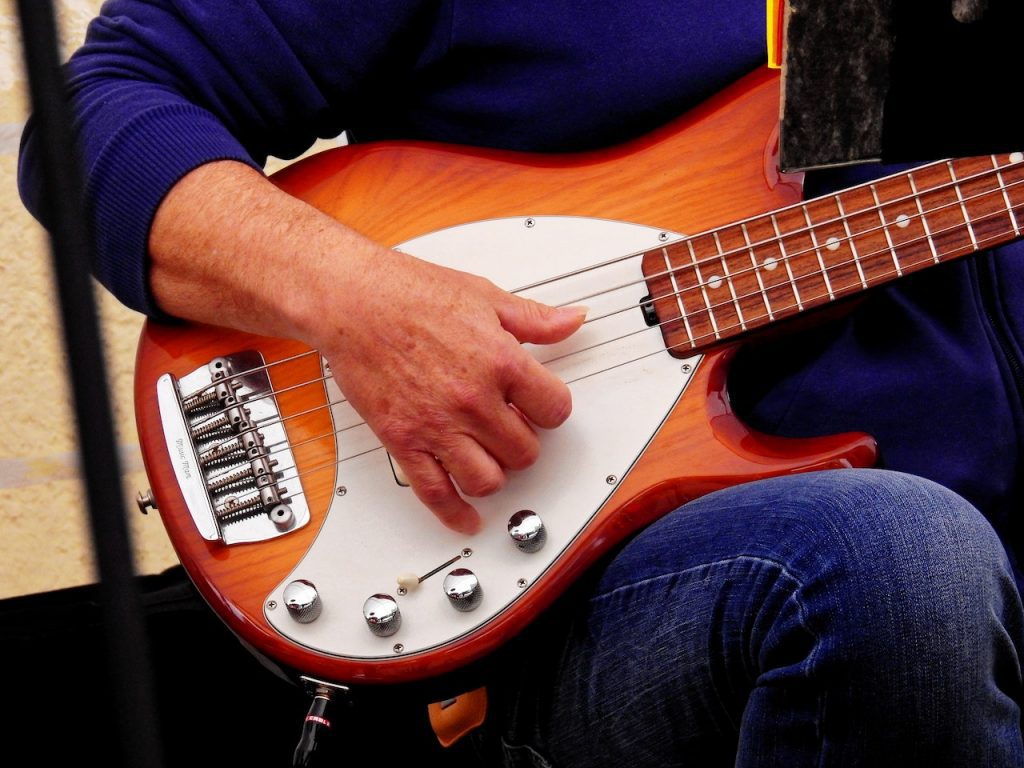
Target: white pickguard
(622,391)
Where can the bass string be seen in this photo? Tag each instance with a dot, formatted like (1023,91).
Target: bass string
(702,285)
(779,240)
(788,256)
(804,230)
(878,209)
(710,337)
(694,342)
(248,371)
(330,465)
(304,473)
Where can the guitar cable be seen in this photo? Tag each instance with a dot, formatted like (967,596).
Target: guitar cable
(316,724)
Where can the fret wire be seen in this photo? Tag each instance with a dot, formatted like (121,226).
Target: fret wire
(679,297)
(1006,197)
(777,240)
(666,349)
(692,341)
(703,288)
(963,207)
(850,240)
(728,280)
(924,219)
(817,250)
(1002,185)
(785,260)
(995,239)
(757,272)
(951,228)
(885,229)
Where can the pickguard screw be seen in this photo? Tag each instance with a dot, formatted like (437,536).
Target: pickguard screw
(342,490)
(686,368)
(530,223)
(467,552)
(663,236)
(521,583)
(402,591)
(271,605)
(611,479)
(398,648)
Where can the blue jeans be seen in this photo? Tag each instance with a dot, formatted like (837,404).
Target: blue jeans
(854,617)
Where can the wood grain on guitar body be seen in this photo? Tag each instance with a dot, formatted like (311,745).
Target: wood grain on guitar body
(330,523)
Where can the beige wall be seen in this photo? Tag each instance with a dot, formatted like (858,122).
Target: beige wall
(45,543)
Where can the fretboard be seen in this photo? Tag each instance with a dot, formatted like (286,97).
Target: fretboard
(714,286)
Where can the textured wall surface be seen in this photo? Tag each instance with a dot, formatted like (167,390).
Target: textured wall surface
(46,543)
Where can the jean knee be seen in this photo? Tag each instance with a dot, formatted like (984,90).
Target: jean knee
(892,558)
(841,526)
(918,533)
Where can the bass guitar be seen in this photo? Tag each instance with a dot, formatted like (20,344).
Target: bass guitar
(292,520)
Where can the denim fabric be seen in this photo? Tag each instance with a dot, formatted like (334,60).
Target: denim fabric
(846,618)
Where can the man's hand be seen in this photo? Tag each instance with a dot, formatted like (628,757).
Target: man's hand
(430,357)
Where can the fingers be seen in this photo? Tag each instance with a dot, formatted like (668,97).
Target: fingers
(538,323)
(434,487)
(474,470)
(473,466)
(466,393)
(510,439)
(497,438)
(542,397)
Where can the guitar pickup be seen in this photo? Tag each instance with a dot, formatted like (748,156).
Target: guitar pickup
(230,450)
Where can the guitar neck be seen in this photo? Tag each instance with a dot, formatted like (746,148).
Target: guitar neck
(717,285)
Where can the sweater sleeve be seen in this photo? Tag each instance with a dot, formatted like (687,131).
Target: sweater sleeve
(161,87)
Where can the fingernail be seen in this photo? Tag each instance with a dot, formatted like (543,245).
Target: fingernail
(579,310)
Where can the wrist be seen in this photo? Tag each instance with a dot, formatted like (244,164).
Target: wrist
(331,286)
(229,248)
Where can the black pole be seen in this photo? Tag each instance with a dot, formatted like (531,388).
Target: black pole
(128,664)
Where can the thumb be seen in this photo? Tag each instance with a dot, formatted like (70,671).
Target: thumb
(539,323)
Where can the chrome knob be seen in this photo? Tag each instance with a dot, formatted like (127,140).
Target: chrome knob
(527,530)
(382,615)
(302,601)
(463,589)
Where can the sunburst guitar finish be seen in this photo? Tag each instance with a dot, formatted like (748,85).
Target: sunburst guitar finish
(651,425)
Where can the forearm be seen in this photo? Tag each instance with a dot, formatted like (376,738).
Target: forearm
(164,87)
(228,247)
(429,356)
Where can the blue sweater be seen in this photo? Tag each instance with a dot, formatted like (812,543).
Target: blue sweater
(932,366)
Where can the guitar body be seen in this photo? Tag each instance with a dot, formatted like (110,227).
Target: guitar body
(649,430)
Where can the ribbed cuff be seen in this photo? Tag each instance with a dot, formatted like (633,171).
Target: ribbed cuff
(136,169)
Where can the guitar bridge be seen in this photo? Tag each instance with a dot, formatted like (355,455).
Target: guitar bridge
(230,450)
